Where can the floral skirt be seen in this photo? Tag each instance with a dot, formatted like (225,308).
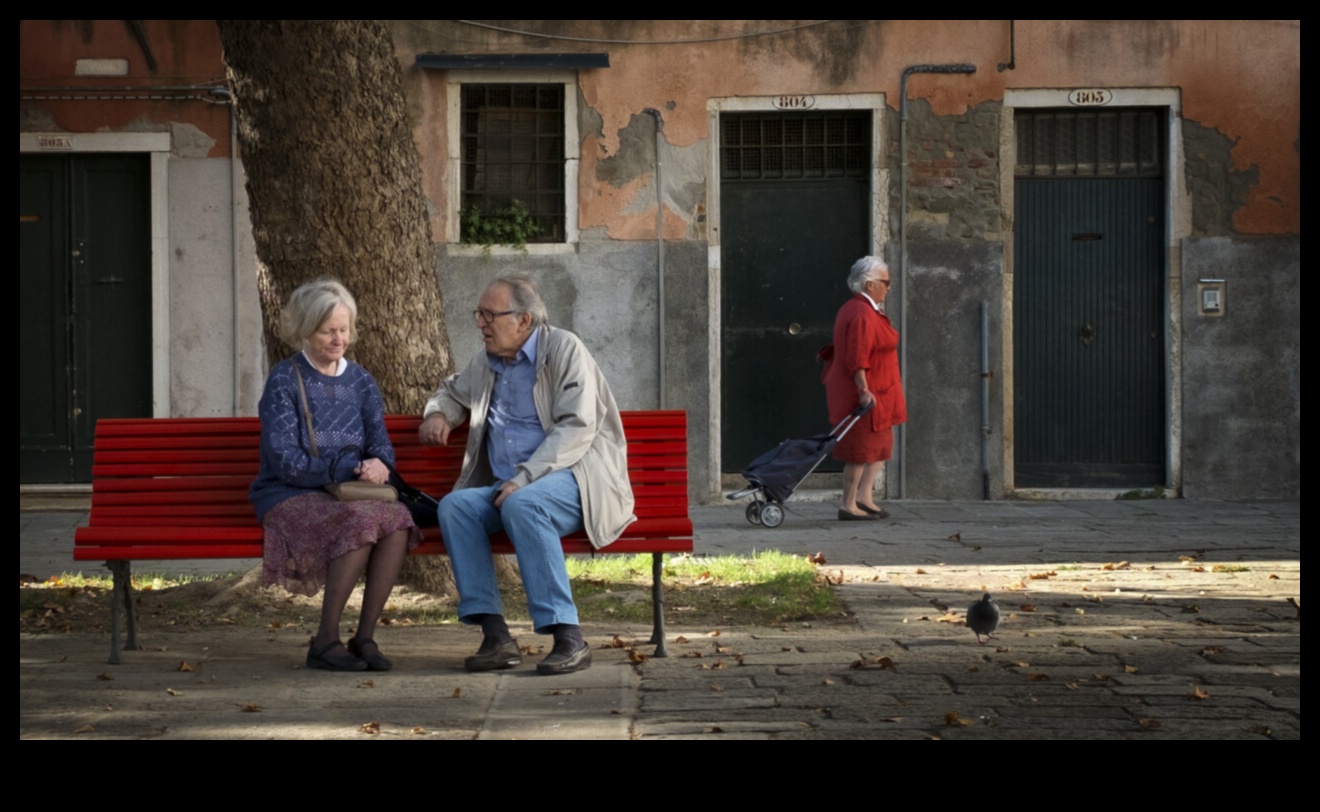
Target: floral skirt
(305,533)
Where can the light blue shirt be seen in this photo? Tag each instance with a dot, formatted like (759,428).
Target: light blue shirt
(513,430)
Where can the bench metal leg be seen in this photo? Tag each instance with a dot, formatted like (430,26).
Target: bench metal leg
(121,600)
(658,605)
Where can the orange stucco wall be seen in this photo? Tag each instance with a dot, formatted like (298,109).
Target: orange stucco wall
(1240,78)
(187,54)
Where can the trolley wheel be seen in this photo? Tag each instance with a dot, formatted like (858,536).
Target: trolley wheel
(754,512)
(772,515)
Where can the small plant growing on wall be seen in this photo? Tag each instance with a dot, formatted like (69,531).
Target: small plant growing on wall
(511,225)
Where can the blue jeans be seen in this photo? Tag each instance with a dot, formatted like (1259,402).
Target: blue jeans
(535,517)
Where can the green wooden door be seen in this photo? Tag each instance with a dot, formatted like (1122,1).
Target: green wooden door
(85,306)
(794,217)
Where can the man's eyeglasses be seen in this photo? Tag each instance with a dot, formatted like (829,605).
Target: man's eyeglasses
(487,316)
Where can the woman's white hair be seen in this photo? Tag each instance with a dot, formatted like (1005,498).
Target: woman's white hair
(866,269)
(308,308)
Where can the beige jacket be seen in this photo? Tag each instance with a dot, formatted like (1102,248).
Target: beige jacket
(583,430)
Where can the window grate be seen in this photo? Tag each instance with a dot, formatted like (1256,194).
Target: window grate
(512,150)
(1101,143)
(794,146)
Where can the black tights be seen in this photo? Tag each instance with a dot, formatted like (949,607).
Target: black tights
(381,561)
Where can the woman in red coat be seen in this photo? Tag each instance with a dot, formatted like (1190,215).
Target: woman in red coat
(864,369)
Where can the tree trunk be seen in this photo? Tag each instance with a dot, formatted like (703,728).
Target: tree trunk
(334,182)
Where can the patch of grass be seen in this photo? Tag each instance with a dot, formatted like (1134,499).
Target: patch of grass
(1230,568)
(1068,642)
(767,588)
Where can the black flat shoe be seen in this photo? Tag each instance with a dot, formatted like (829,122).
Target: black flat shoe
(325,660)
(879,513)
(494,656)
(845,516)
(376,661)
(562,660)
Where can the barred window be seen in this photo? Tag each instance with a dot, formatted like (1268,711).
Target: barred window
(513,159)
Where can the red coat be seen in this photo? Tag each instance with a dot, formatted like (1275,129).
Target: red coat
(864,339)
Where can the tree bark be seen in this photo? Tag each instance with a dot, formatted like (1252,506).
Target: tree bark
(334,183)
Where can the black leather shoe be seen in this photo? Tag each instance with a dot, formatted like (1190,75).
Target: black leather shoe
(845,516)
(561,660)
(375,660)
(494,656)
(328,661)
(878,512)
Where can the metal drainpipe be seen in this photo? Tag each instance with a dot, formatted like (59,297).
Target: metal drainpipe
(962,67)
(659,251)
(985,402)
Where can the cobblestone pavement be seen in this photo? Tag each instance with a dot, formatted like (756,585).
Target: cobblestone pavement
(1146,619)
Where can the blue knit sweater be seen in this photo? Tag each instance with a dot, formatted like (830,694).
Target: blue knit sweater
(347,411)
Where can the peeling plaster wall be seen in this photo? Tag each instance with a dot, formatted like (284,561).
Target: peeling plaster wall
(1239,85)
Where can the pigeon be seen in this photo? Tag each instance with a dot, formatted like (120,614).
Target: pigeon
(983,618)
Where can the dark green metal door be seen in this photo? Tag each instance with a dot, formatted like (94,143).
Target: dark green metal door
(1088,333)
(794,217)
(85,312)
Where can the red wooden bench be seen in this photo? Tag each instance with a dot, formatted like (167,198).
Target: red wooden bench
(177,489)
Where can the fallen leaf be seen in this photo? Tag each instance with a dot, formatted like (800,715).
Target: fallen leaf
(104,677)
(1071,686)
(949,617)
(1019,664)
(718,664)
(952,719)
(680,639)
(827,681)
(886,663)
(1273,577)
(1199,693)
(1191,609)
(955,537)
(371,728)
(251,707)
(818,558)
(1129,669)
(723,649)
(635,656)
(920,571)
(419,731)
(561,692)
(1027,607)
(1210,651)
(171,692)
(366,683)
(1037,677)
(186,666)
(716,730)
(694,654)
(1040,576)
(715,633)
(1151,724)
(1198,569)
(458,693)
(85,729)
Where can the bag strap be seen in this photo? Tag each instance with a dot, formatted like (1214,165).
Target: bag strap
(307,412)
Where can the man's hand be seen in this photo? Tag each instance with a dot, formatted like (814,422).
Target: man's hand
(434,430)
(506,489)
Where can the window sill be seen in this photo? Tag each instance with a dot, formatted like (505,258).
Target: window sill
(542,249)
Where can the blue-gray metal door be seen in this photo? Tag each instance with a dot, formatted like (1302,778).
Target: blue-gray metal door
(794,217)
(1088,301)
(85,306)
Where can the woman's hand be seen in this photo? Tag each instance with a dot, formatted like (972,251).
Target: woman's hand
(865,397)
(373,470)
